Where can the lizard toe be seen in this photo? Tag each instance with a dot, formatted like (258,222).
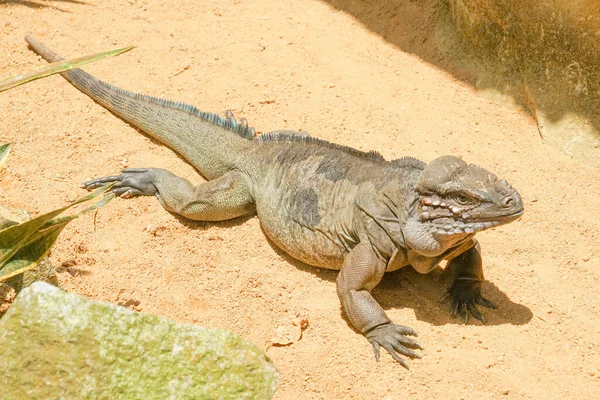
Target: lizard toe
(98,182)
(484,302)
(392,338)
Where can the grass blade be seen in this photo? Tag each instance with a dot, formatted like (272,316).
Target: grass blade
(30,255)
(58,67)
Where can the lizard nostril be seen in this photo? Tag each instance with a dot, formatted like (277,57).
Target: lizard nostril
(508,201)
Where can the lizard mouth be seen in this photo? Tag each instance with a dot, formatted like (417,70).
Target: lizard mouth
(459,226)
(506,218)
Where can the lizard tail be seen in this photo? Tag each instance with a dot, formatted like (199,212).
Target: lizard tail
(208,141)
(42,50)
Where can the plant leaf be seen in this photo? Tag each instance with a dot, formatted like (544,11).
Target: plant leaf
(58,67)
(24,245)
(30,255)
(4,151)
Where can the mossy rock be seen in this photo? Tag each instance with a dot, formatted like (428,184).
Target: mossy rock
(57,345)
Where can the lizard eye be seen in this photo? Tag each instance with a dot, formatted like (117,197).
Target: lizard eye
(462,199)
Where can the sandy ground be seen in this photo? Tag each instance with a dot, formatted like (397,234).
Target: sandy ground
(367,77)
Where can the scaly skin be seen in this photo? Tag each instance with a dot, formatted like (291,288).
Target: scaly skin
(327,205)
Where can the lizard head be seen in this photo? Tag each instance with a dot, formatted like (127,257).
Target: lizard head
(458,198)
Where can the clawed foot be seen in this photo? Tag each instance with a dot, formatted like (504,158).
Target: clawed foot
(243,121)
(393,338)
(465,293)
(132,182)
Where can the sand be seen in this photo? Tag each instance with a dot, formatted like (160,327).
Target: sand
(368,77)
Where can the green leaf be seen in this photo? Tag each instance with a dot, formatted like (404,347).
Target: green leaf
(30,255)
(58,67)
(24,245)
(4,151)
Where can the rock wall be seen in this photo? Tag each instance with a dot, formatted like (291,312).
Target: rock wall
(545,54)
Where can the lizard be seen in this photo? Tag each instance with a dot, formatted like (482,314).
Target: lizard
(325,204)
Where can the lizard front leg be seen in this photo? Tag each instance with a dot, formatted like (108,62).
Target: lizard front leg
(465,290)
(220,199)
(361,271)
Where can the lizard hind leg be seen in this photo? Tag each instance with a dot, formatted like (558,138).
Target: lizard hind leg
(243,122)
(220,199)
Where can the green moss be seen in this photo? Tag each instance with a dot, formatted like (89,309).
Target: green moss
(59,345)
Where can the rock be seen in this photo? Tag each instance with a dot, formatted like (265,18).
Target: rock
(44,272)
(55,344)
(12,216)
(542,54)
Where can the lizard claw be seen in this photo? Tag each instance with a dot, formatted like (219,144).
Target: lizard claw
(393,339)
(229,115)
(465,294)
(243,123)
(131,183)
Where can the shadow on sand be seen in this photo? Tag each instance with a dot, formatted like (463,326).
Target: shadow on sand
(406,288)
